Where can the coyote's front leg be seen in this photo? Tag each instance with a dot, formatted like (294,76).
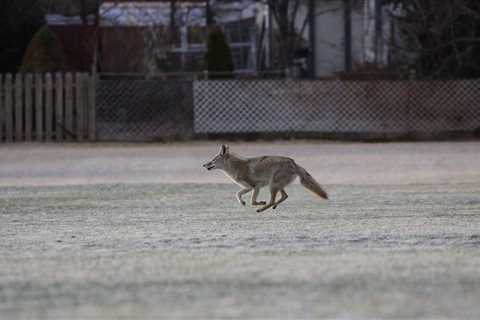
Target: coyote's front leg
(254,198)
(241,193)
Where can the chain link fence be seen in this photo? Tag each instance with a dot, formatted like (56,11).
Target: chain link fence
(139,109)
(377,109)
(133,109)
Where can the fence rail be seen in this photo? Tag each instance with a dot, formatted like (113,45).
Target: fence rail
(47,107)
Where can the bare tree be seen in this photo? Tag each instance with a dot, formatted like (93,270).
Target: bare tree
(208,13)
(443,37)
(84,12)
(173,24)
(290,24)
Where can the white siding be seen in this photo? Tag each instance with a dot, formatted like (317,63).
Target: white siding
(358,37)
(329,38)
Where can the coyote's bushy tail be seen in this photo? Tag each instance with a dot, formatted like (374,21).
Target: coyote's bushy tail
(309,182)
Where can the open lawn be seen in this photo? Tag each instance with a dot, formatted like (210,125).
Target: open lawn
(142,231)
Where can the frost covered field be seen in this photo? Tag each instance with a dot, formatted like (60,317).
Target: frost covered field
(142,231)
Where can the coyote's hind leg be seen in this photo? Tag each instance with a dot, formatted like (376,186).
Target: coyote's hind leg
(273,196)
(283,198)
(254,198)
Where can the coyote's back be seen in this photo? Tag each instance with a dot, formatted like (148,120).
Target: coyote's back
(281,171)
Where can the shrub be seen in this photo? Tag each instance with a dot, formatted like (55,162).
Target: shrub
(219,55)
(44,54)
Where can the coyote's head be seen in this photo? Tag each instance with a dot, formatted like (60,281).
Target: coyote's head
(219,160)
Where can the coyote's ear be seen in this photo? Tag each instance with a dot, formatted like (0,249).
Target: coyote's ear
(224,149)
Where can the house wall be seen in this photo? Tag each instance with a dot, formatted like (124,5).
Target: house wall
(122,49)
(358,36)
(329,38)
(78,44)
(120,19)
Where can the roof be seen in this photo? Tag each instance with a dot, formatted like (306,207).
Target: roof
(157,12)
(167,1)
(131,13)
(61,20)
(192,13)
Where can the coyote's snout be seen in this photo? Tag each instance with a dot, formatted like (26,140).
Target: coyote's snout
(255,173)
(217,163)
(209,166)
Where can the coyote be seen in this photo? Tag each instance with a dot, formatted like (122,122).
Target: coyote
(255,173)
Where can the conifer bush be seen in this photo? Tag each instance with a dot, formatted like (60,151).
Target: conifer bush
(219,56)
(44,54)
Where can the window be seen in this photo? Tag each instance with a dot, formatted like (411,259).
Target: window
(239,31)
(197,35)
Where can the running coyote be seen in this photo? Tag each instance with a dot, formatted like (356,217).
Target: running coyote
(255,173)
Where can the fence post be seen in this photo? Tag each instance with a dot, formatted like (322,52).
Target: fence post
(38,107)
(68,106)
(2,113)
(85,106)
(79,106)
(59,123)
(8,109)
(92,107)
(28,107)
(410,126)
(48,107)
(18,107)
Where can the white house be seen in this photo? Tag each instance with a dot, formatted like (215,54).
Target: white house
(348,33)
(238,19)
(341,34)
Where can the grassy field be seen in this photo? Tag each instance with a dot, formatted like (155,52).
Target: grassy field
(102,248)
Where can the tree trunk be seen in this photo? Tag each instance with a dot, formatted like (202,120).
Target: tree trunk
(172,26)
(286,17)
(208,13)
(84,12)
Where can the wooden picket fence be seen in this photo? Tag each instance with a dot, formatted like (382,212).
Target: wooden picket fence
(47,107)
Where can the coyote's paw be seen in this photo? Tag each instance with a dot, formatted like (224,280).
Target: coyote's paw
(260,203)
(242,202)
